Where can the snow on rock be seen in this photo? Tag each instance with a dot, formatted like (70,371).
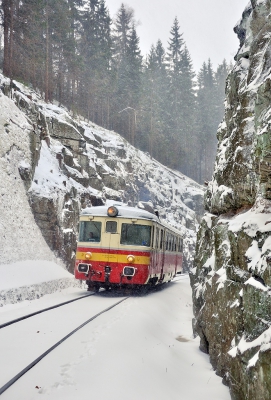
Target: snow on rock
(55,165)
(231,279)
(20,237)
(32,279)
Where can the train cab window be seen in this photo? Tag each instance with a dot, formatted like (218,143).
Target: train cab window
(111,227)
(135,235)
(90,231)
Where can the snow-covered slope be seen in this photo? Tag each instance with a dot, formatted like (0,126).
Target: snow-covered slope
(20,237)
(65,164)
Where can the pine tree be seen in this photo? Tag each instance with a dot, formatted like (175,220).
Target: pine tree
(123,26)
(220,78)
(67,79)
(8,10)
(154,103)
(95,50)
(188,117)
(207,120)
(135,66)
(181,99)
(69,51)
(127,66)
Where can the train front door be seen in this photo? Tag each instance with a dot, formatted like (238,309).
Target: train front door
(111,244)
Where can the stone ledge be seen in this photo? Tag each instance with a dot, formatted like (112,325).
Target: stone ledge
(35,291)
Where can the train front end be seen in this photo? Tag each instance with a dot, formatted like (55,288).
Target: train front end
(114,248)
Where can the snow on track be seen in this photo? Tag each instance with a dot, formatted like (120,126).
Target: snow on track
(142,350)
(16,320)
(23,343)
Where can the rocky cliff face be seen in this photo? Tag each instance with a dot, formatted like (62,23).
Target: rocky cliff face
(231,280)
(63,164)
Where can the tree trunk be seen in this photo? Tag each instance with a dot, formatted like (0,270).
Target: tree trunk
(46,89)
(6,5)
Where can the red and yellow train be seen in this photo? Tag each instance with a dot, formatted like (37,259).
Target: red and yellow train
(122,246)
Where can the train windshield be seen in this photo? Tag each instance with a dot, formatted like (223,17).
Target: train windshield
(90,231)
(135,235)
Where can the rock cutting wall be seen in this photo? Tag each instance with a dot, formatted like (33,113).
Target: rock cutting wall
(20,238)
(68,164)
(231,280)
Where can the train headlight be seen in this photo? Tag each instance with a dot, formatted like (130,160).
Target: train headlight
(88,255)
(131,258)
(112,211)
(83,268)
(129,271)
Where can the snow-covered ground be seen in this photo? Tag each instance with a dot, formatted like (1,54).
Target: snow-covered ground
(32,279)
(143,349)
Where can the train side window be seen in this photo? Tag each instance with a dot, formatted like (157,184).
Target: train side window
(157,238)
(166,240)
(136,235)
(153,230)
(111,227)
(161,239)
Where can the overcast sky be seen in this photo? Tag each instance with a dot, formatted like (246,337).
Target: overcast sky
(207,25)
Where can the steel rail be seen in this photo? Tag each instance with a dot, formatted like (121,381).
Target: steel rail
(38,359)
(5,324)
(41,311)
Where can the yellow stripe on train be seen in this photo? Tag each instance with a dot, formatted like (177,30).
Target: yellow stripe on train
(106,257)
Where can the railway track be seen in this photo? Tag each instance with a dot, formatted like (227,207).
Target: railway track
(5,324)
(36,360)
(49,350)
(14,321)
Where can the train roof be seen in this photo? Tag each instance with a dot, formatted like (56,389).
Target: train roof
(123,211)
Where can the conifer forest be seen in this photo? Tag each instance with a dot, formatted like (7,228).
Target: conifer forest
(74,52)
